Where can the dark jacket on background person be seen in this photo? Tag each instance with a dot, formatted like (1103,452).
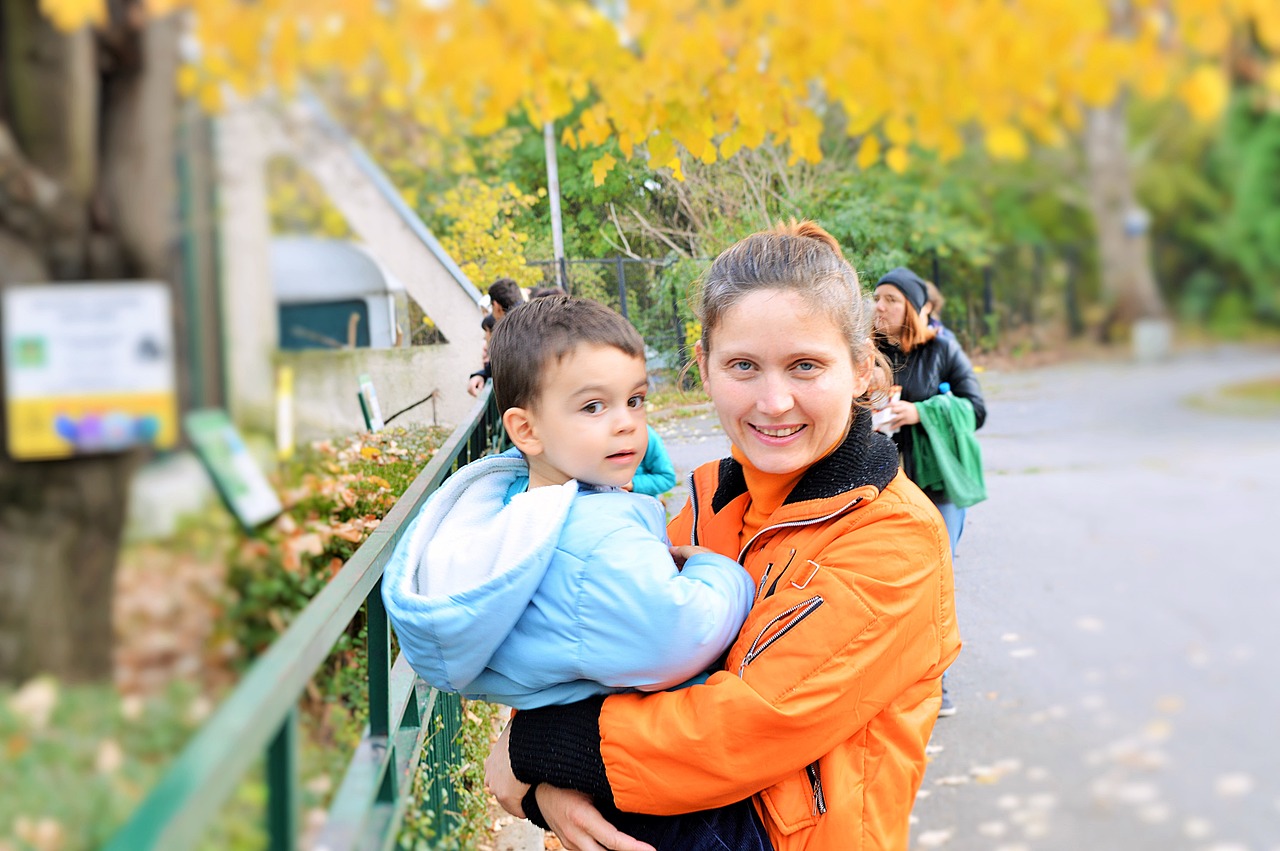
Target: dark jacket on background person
(920,372)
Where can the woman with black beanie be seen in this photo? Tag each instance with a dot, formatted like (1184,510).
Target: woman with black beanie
(925,364)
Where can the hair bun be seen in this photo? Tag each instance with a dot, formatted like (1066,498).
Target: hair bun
(809,229)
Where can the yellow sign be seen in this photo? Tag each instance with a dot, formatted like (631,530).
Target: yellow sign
(88,368)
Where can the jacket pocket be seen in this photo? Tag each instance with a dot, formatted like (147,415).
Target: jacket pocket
(777,627)
(796,802)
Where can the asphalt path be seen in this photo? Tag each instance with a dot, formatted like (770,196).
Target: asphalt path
(1119,601)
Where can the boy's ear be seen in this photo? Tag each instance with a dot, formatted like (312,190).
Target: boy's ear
(519,425)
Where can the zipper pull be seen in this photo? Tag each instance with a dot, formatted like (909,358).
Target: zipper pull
(815,780)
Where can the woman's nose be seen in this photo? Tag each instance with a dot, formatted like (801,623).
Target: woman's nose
(775,398)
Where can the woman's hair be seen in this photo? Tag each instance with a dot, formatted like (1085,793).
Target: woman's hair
(935,299)
(798,257)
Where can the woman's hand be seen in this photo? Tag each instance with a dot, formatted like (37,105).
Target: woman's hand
(904,414)
(501,780)
(578,823)
(683,554)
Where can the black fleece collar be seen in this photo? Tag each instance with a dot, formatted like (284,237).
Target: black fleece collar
(865,458)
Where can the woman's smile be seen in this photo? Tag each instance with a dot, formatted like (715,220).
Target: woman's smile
(777,432)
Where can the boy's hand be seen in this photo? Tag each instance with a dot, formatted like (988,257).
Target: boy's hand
(683,554)
(475,385)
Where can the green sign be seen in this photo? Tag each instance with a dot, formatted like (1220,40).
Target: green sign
(239,479)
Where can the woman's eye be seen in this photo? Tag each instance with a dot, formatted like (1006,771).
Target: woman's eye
(740,365)
(806,366)
(593,407)
(636,401)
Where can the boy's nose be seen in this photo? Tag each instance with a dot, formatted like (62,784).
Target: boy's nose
(625,422)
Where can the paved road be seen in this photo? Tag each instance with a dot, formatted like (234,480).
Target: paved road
(1119,599)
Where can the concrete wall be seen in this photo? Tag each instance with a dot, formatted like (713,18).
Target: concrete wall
(244,141)
(326,383)
(248,135)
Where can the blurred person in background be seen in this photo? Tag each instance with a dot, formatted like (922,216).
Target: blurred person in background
(504,294)
(656,474)
(933,304)
(927,364)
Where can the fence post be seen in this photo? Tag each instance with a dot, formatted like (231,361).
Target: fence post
(282,785)
(1037,282)
(1075,325)
(379,638)
(622,285)
(988,301)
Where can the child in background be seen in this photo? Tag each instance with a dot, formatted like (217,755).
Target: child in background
(532,578)
(655,475)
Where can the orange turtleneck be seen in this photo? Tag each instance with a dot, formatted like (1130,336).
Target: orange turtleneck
(768,491)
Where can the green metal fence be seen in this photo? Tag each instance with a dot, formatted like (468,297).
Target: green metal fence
(260,717)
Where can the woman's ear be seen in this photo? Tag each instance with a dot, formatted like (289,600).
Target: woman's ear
(700,356)
(520,428)
(863,372)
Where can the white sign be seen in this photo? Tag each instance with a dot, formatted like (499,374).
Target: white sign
(88,367)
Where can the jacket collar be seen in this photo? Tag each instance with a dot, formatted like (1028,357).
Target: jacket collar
(864,458)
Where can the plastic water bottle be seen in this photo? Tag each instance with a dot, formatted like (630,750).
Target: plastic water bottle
(944,389)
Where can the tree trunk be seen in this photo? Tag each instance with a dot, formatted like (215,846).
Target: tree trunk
(1124,245)
(86,192)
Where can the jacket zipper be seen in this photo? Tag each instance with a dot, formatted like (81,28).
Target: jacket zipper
(693,501)
(781,573)
(764,577)
(815,781)
(796,614)
(810,521)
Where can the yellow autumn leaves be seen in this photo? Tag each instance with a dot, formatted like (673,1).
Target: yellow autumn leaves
(706,78)
(479,230)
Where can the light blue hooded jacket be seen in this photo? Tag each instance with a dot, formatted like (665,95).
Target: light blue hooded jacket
(547,596)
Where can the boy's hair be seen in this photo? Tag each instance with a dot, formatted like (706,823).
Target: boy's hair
(544,331)
(506,292)
(543,292)
(488,322)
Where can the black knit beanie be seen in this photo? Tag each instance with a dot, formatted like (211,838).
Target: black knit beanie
(909,284)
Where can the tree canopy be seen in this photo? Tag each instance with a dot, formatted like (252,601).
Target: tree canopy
(706,78)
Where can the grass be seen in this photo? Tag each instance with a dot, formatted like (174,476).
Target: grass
(1264,392)
(673,402)
(1260,397)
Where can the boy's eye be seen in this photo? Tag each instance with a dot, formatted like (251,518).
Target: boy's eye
(593,407)
(636,401)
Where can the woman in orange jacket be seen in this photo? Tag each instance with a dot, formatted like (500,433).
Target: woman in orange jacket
(824,706)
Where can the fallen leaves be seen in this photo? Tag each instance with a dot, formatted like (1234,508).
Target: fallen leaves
(35,701)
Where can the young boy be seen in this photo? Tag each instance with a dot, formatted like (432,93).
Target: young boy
(531,578)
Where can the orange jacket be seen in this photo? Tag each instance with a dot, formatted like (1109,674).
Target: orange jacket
(831,691)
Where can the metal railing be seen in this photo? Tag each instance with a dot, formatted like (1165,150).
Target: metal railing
(260,717)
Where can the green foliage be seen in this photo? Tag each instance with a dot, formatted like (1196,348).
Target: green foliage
(475,736)
(336,493)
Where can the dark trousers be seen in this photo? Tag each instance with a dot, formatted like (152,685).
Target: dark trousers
(735,827)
